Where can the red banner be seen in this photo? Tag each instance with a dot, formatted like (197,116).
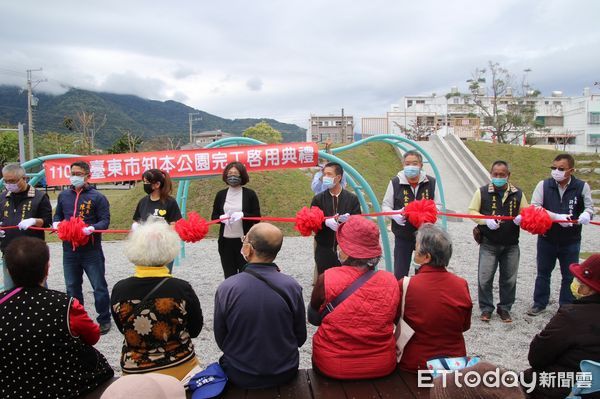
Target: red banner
(184,163)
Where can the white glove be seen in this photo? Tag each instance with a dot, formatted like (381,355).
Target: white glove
(134,226)
(26,223)
(235,216)
(343,218)
(562,216)
(492,224)
(88,230)
(224,217)
(332,224)
(517,220)
(584,218)
(400,219)
(55,225)
(2,233)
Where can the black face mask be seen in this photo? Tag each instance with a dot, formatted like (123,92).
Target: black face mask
(234,180)
(148,188)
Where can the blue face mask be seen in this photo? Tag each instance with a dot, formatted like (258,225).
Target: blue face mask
(77,181)
(499,181)
(411,171)
(328,182)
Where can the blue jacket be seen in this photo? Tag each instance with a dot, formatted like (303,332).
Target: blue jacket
(571,203)
(92,206)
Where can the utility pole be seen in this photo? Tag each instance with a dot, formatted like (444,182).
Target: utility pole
(343,128)
(30,104)
(191,120)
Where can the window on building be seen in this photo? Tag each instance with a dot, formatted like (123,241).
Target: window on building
(409,103)
(420,101)
(594,140)
(556,102)
(594,118)
(456,100)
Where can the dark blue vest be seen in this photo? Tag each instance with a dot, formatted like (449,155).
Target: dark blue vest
(491,204)
(571,204)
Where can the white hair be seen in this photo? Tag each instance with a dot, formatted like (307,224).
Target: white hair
(153,243)
(15,168)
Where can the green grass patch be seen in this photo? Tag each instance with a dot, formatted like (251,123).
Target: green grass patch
(530,165)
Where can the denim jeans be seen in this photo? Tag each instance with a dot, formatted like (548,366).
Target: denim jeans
(547,254)
(492,256)
(92,263)
(403,250)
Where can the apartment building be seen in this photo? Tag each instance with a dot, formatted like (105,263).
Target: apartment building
(337,128)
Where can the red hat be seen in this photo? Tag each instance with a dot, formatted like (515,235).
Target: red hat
(588,272)
(359,238)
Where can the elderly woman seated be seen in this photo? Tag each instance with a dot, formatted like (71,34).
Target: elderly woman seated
(157,313)
(355,339)
(572,335)
(438,305)
(46,337)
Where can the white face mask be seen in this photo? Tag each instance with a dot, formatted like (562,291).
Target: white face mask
(558,175)
(12,187)
(242,252)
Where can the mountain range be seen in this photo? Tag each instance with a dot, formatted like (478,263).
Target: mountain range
(149,118)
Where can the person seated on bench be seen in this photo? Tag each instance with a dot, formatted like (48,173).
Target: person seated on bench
(46,337)
(572,335)
(438,304)
(157,313)
(356,339)
(260,321)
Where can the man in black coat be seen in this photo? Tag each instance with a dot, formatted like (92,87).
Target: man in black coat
(334,201)
(572,335)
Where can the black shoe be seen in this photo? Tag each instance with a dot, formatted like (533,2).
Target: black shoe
(485,316)
(534,311)
(504,315)
(105,328)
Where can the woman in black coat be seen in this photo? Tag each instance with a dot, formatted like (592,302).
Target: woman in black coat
(231,205)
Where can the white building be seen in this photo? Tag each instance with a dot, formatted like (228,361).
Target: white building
(337,128)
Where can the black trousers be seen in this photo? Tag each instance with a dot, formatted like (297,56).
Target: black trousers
(232,260)
(325,257)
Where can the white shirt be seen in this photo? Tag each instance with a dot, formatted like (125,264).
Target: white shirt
(233,203)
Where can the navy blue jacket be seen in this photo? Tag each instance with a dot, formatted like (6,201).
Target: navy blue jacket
(254,327)
(571,203)
(92,206)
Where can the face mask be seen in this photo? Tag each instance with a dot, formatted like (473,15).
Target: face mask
(234,181)
(328,182)
(340,258)
(12,187)
(242,253)
(77,181)
(499,181)
(411,171)
(148,188)
(558,175)
(575,284)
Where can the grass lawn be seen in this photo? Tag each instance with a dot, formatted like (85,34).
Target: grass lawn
(530,165)
(281,193)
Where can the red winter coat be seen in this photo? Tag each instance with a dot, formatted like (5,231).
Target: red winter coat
(438,307)
(356,340)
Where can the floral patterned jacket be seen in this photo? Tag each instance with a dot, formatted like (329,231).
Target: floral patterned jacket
(158,333)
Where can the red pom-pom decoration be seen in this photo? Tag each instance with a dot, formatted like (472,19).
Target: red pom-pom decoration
(421,211)
(193,229)
(535,220)
(72,230)
(309,220)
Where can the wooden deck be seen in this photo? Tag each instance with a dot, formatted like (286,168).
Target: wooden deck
(310,385)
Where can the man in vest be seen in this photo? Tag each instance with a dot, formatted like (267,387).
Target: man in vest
(409,184)
(23,206)
(334,201)
(565,198)
(499,246)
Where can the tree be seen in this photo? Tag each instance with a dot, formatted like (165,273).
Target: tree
(507,112)
(416,131)
(85,123)
(128,142)
(161,143)
(262,131)
(59,143)
(9,147)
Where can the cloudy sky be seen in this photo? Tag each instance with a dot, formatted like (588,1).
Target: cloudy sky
(288,59)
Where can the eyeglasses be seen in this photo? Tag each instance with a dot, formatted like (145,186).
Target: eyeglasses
(559,169)
(243,238)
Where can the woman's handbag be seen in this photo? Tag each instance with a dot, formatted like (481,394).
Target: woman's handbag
(403,332)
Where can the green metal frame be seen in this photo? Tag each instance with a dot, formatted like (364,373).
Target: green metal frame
(360,186)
